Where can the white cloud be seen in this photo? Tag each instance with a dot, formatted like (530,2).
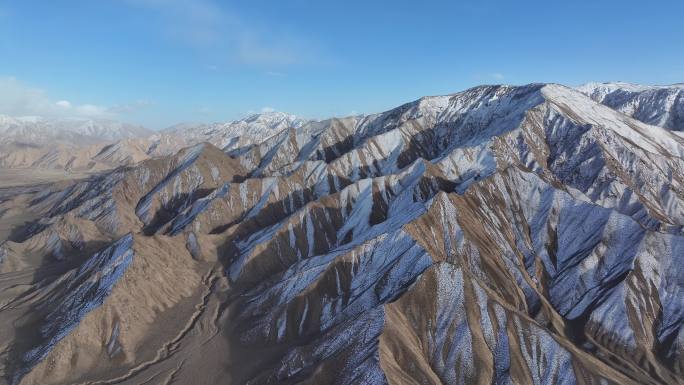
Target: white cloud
(64,104)
(497,75)
(267,109)
(19,99)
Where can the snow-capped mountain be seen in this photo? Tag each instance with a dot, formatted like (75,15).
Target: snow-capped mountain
(231,135)
(657,105)
(38,131)
(69,144)
(499,235)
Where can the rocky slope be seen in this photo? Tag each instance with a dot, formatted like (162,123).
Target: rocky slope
(524,235)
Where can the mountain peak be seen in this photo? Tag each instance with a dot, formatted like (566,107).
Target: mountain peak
(232,134)
(270,114)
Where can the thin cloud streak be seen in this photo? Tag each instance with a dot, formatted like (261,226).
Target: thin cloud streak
(209,26)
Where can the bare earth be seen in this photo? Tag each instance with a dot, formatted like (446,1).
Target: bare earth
(10,182)
(25,177)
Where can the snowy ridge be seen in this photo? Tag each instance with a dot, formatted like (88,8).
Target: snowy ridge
(87,289)
(608,87)
(656,105)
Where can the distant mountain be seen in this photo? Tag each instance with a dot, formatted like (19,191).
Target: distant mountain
(499,235)
(657,105)
(237,133)
(89,145)
(38,131)
(69,144)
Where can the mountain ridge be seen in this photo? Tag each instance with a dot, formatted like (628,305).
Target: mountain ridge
(233,135)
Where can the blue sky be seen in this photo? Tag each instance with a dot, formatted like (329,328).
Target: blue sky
(160,62)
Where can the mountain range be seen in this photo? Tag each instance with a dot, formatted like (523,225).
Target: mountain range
(658,105)
(88,145)
(503,234)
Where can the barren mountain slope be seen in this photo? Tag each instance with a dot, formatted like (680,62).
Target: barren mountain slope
(498,235)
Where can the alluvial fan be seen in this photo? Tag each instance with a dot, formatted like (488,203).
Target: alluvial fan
(507,235)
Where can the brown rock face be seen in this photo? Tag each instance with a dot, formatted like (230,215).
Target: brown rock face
(501,235)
